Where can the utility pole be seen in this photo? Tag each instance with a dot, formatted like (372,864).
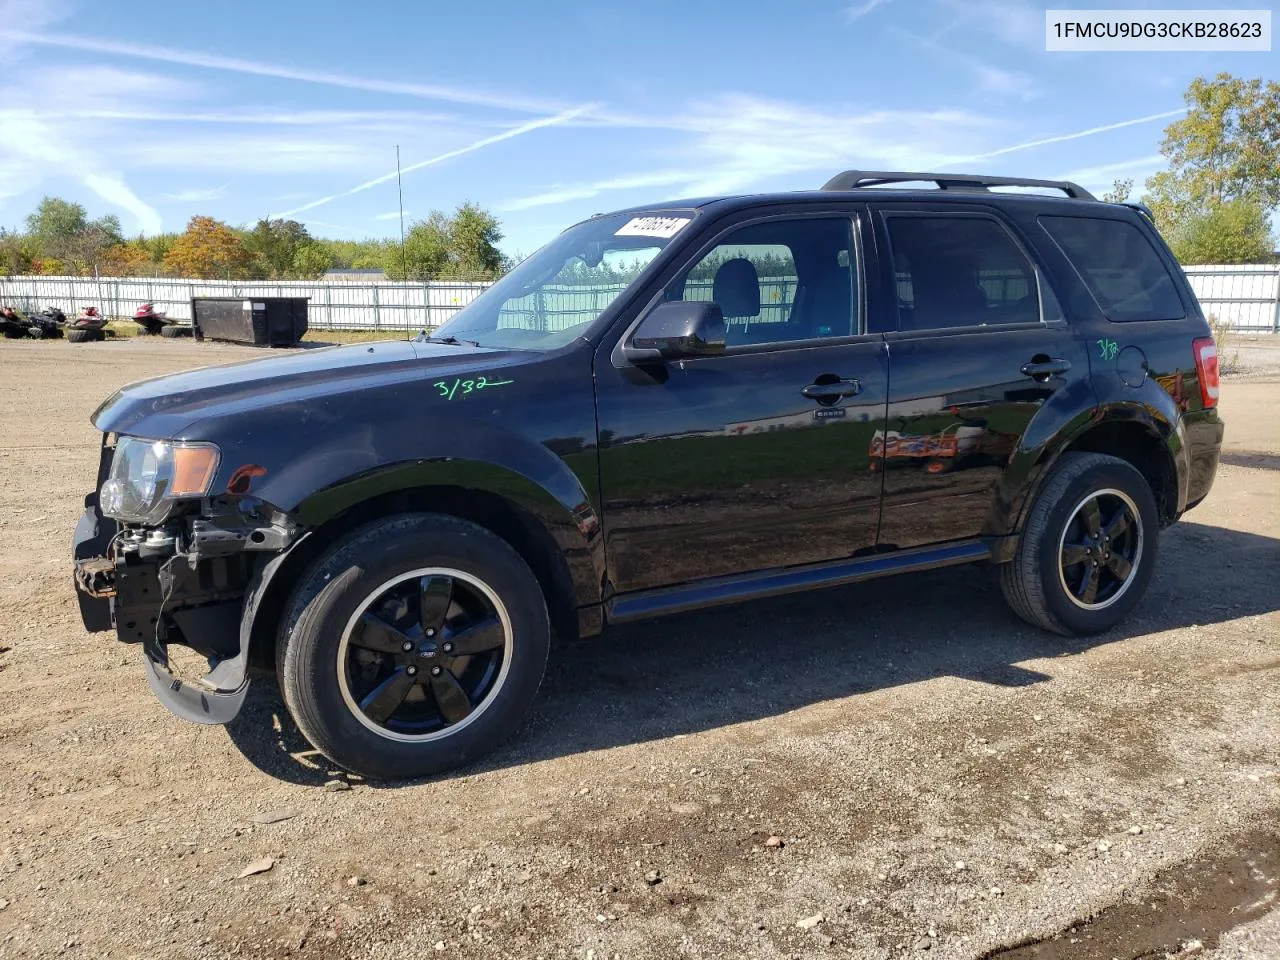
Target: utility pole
(404,268)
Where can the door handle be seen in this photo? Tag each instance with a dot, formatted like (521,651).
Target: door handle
(832,391)
(1044,369)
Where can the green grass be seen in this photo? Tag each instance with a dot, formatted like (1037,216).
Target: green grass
(357,336)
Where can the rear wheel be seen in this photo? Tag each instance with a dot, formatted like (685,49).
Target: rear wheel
(172,332)
(412,646)
(82,335)
(14,333)
(1088,550)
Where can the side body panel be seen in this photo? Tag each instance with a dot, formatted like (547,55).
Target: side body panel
(961,410)
(1143,372)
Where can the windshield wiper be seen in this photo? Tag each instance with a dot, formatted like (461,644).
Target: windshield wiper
(423,338)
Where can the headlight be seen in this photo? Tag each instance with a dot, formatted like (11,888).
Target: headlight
(148,475)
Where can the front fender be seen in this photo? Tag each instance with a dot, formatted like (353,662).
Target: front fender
(539,483)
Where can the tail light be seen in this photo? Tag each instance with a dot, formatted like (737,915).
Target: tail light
(1206,370)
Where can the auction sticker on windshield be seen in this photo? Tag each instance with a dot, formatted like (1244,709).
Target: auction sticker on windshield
(664,227)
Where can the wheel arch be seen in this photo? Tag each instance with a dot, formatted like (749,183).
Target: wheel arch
(561,547)
(1143,434)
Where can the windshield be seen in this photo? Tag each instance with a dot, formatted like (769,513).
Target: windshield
(553,296)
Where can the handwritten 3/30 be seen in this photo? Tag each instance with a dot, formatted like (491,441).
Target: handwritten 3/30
(460,387)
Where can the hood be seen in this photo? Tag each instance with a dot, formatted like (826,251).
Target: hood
(163,407)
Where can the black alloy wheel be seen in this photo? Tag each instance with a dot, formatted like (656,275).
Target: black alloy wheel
(424,654)
(1100,548)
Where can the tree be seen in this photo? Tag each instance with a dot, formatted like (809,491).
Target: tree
(159,245)
(463,246)
(275,244)
(1227,147)
(426,251)
(310,261)
(1231,231)
(54,221)
(1119,192)
(60,230)
(209,249)
(474,235)
(126,260)
(16,255)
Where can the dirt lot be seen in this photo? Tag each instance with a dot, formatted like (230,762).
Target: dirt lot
(939,777)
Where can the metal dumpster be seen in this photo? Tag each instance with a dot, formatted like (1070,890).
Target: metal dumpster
(262,321)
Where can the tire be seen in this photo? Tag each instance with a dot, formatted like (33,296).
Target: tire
(1048,592)
(14,333)
(36,333)
(327,665)
(174,332)
(85,336)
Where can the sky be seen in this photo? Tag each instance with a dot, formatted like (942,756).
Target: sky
(545,112)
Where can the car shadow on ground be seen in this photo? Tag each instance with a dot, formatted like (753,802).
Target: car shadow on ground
(730,665)
(1259,461)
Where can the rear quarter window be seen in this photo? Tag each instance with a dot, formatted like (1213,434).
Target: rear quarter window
(1118,264)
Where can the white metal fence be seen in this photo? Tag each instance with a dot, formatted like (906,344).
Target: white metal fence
(1246,297)
(334,305)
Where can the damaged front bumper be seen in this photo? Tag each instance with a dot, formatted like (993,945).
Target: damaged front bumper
(196,582)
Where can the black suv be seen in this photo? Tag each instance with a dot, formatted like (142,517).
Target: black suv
(666,408)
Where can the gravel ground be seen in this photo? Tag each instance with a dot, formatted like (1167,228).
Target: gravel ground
(896,767)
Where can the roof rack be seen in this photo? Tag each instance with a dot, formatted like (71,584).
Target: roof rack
(962,182)
(1142,208)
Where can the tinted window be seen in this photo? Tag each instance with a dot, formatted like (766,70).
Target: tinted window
(960,272)
(779,281)
(1119,266)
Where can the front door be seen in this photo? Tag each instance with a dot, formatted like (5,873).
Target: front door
(759,457)
(978,345)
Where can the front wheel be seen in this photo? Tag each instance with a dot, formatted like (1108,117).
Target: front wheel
(413,646)
(1088,550)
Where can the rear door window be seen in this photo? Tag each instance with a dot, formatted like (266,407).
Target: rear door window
(959,271)
(1118,264)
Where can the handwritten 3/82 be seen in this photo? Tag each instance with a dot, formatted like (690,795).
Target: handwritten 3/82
(460,387)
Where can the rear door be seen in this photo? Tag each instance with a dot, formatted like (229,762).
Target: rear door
(977,346)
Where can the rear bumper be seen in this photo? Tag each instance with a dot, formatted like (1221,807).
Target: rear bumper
(1204,444)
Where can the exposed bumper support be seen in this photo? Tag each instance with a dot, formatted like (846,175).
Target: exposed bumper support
(194,702)
(211,607)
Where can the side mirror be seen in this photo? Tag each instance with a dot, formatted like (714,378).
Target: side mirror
(677,328)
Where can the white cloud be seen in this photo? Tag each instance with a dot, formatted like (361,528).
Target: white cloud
(1016,23)
(396,119)
(31,14)
(197,195)
(469,148)
(1063,137)
(741,141)
(32,147)
(263,153)
(1103,175)
(991,79)
(746,141)
(191,58)
(112,188)
(562,193)
(860,10)
(391,215)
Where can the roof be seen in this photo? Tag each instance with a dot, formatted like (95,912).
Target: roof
(951,187)
(729,203)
